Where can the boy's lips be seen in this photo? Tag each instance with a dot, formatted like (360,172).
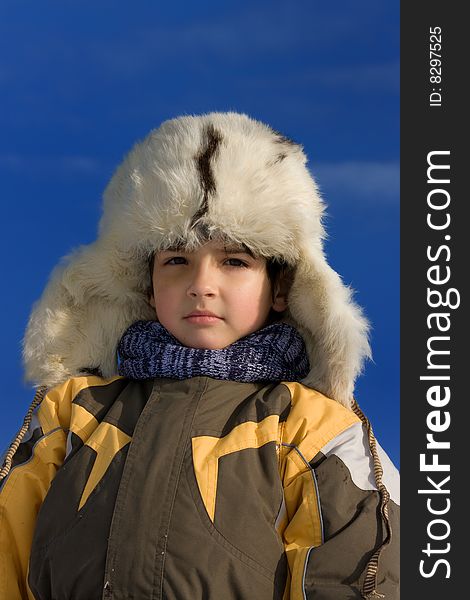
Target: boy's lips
(202,313)
(202,316)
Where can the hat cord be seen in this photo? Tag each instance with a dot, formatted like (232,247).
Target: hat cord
(369,587)
(6,467)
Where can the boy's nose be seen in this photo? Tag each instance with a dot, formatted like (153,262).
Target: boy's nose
(196,291)
(202,283)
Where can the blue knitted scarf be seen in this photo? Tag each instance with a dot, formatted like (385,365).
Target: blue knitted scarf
(275,353)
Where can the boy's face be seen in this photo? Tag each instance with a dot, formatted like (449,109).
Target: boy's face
(217,278)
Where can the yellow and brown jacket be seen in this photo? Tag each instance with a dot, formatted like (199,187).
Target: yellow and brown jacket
(195,489)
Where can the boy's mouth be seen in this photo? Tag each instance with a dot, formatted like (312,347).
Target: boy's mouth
(202,316)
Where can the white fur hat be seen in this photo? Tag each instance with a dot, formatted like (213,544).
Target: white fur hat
(220,173)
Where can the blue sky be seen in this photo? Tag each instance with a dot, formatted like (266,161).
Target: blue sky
(82,81)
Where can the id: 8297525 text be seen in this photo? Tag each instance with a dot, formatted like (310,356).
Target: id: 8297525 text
(435,66)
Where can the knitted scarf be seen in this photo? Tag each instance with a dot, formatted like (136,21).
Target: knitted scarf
(275,353)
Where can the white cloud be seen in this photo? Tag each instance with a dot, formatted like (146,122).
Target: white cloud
(368,181)
(49,164)
(384,76)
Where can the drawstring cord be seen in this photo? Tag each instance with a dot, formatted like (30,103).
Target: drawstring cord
(369,586)
(38,398)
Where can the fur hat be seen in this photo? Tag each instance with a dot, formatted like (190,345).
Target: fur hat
(194,178)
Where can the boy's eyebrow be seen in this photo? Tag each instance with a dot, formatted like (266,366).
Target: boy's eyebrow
(238,249)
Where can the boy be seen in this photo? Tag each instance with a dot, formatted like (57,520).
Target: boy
(197,437)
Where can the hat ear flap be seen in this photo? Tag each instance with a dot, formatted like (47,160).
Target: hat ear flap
(332,325)
(81,316)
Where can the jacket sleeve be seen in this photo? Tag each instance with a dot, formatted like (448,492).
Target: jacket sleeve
(340,529)
(27,471)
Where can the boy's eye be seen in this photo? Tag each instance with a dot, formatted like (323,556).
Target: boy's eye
(176,260)
(236,262)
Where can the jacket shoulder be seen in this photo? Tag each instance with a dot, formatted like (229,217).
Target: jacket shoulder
(313,411)
(57,403)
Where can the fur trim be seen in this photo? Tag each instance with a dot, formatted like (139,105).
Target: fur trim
(194,177)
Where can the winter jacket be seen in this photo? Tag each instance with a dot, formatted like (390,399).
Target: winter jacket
(195,489)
